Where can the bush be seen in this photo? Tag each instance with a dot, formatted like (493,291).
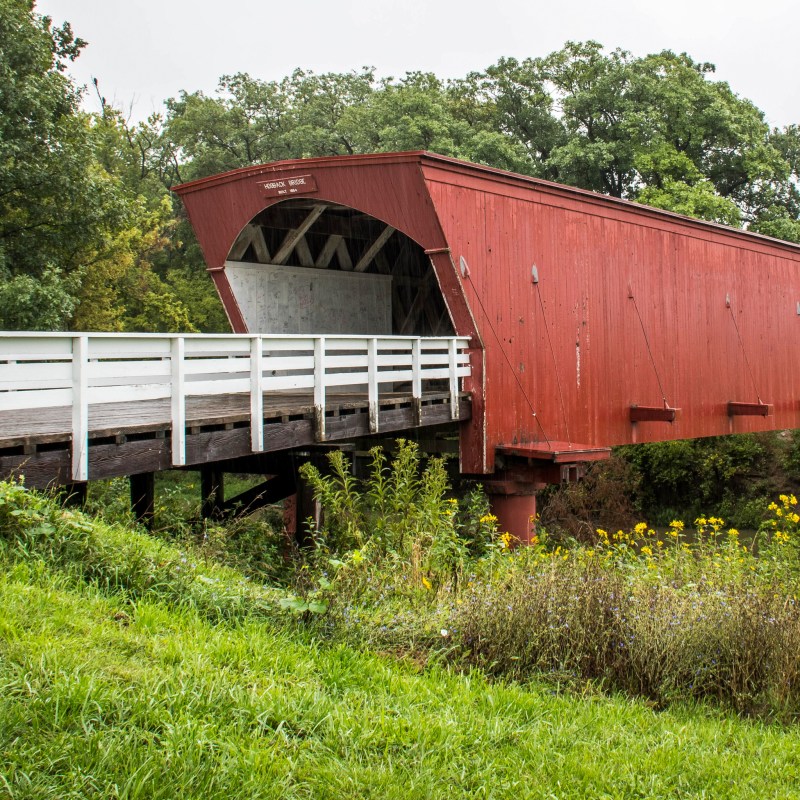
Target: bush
(400,516)
(670,617)
(729,476)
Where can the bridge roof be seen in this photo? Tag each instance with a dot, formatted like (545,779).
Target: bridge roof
(465,173)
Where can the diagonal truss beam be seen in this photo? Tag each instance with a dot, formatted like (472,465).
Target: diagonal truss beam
(374,249)
(293,237)
(252,234)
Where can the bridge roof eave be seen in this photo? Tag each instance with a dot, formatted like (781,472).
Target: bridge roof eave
(389,187)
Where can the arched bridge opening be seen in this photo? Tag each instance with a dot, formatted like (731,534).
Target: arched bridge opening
(313,267)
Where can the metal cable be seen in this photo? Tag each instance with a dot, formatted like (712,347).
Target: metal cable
(649,351)
(744,353)
(510,365)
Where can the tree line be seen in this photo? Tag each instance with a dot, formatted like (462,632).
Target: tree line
(92,239)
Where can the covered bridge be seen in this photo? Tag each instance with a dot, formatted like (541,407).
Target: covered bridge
(591,321)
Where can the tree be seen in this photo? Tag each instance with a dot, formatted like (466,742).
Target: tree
(247,124)
(84,210)
(54,202)
(510,99)
(90,236)
(656,129)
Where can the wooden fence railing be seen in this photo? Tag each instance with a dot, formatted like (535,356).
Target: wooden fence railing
(48,370)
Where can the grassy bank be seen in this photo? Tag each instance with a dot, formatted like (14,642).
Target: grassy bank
(122,675)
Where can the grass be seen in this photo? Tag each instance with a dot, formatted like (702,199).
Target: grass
(104,699)
(128,672)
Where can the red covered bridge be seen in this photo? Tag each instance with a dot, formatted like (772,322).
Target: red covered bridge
(591,321)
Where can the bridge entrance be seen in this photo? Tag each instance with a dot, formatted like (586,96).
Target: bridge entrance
(314,267)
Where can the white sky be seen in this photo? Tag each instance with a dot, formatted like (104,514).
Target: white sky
(143,51)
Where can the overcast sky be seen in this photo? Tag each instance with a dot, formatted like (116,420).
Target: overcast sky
(143,51)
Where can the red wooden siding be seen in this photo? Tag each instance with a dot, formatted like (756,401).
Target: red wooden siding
(572,346)
(588,251)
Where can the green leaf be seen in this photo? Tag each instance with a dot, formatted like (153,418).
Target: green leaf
(294,604)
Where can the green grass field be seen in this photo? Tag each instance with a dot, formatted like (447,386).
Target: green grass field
(123,688)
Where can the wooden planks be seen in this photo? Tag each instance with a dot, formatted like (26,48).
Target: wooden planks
(134,438)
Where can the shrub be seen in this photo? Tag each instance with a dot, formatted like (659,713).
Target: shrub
(670,616)
(400,516)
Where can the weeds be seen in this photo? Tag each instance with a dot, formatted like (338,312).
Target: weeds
(34,528)
(400,520)
(400,565)
(128,669)
(670,615)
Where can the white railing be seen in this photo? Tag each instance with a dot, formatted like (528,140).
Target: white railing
(50,370)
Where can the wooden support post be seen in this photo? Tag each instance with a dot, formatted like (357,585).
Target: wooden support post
(80,408)
(177,352)
(212,491)
(75,494)
(256,395)
(452,364)
(143,498)
(301,506)
(416,379)
(514,505)
(372,383)
(319,389)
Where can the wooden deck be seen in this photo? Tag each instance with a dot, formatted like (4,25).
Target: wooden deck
(76,407)
(135,437)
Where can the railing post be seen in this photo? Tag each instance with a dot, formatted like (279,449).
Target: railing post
(178,392)
(451,353)
(256,394)
(80,408)
(319,388)
(372,383)
(416,379)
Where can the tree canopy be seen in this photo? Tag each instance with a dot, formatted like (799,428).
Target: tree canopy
(90,237)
